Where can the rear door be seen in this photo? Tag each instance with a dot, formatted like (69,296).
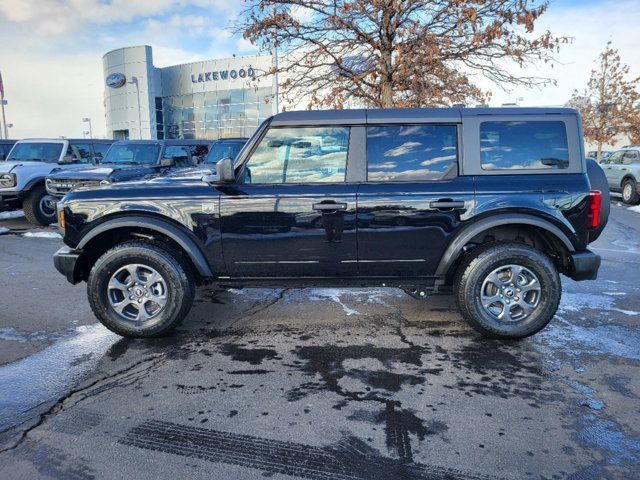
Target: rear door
(292,211)
(413,201)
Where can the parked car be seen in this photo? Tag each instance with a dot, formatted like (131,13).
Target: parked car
(593,154)
(5,147)
(622,169)
(22,174)
(223,148)
(130,160)
(496,204)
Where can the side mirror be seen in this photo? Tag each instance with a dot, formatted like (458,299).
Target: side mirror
(224,169)
(167,162)
(67,159)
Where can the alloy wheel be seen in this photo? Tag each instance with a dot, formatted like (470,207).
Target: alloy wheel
(510,293)
(137,293)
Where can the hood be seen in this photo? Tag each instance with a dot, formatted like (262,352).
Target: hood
(86,173)
(6,167)
(27,168)
(193,173)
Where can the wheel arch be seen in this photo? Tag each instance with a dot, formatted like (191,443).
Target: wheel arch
(628,176)
(33,183)
(532,226)
(112,231)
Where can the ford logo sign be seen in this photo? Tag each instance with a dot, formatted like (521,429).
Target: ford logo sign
(116,80)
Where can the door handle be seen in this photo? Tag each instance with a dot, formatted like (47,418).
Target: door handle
(447,204)
(329,206)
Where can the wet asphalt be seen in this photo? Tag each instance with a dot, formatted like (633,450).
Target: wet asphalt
(319,383)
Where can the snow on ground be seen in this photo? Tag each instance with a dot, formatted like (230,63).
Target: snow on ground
(635,209)
(3,230)
(578,302)
(9,215)
(42,235)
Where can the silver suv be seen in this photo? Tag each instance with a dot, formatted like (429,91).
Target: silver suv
(622,169)
(23,173)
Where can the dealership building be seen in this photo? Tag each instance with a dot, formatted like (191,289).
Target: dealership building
(209,99)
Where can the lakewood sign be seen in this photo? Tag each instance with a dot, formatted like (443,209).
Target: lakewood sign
(223,75)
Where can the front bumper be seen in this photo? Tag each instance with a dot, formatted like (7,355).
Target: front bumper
(585,265)
(10,199)
(66,262)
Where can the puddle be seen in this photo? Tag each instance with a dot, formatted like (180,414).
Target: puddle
(50,373)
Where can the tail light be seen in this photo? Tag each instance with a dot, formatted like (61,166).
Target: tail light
(595,207)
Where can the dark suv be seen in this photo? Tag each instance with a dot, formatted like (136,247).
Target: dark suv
(130,160)
(490,203)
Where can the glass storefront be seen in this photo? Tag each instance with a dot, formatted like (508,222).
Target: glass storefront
(214,115)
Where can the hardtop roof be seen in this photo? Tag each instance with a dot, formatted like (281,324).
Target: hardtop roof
(398,115)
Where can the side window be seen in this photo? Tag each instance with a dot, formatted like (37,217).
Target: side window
(81,152)
(411,153)
(616,158)
(630,156)
(100,150)
(179,153)
(522,145)
(300,155)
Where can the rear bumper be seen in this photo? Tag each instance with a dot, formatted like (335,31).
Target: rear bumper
(585,265)
(66,262)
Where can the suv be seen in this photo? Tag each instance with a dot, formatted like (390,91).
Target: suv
(130,160)
(5,148)
(22,174)
(622,169)
(220,149)
(490,203)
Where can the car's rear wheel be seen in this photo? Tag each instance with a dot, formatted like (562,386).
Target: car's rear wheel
(507,290)
(630,192)
(40,207)
(139,289)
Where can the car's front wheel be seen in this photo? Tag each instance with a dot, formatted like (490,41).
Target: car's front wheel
(507,290)
(630,192)
(140,289)
(39,207)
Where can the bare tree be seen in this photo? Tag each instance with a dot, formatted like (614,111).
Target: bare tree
(609,104)
(403,53)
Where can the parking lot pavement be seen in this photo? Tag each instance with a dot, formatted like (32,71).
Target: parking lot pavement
(332,384)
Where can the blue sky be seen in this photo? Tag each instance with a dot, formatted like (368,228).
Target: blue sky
(51,50)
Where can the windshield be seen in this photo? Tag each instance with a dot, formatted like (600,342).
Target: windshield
(36,152)
(132,153)
(221,150)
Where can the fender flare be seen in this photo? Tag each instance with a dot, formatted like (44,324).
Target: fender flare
(32,183)
(454,250)
(175,233)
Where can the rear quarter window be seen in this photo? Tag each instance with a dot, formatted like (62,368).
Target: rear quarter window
(523,145)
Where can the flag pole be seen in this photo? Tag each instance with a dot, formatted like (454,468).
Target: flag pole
(4,118)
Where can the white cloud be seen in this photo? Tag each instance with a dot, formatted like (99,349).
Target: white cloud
(58,17)
(403,149)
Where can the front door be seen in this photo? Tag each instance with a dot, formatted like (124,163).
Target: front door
(612,169)
(291,212)
(413,202)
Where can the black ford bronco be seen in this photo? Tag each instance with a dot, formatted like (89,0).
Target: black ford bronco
(490,204)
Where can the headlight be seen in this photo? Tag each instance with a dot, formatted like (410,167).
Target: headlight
(7,180)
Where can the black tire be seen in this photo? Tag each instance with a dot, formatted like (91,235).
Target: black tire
(485,259)
(34,210)
(179,289)
(629,192)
